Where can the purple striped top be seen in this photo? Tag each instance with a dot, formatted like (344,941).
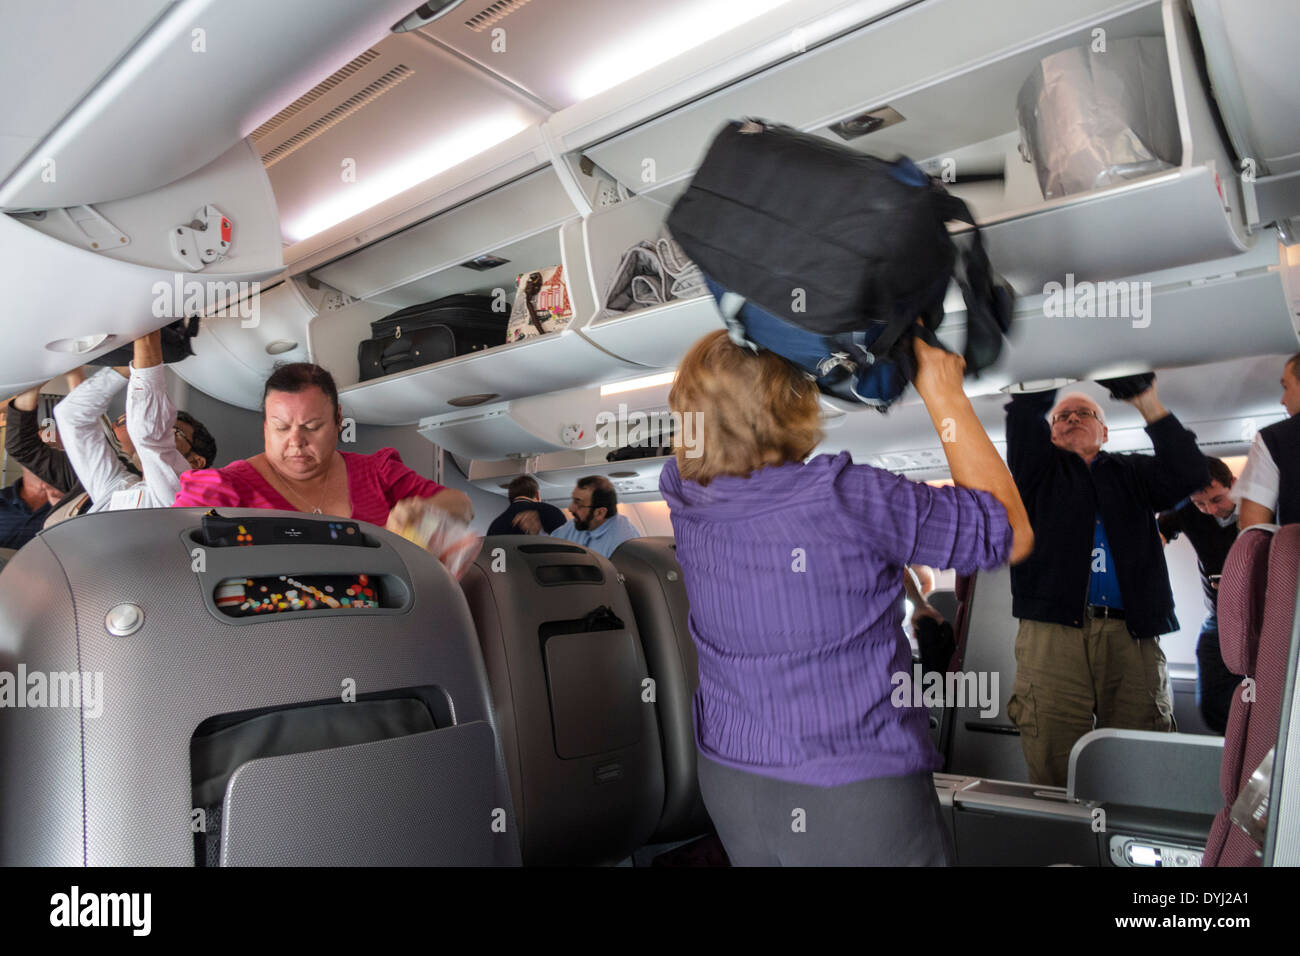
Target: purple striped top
(794,575)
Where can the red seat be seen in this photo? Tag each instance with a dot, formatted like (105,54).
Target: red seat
(1256,609)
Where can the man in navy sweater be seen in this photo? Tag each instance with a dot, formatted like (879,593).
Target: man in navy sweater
(525,496)
(1094,597)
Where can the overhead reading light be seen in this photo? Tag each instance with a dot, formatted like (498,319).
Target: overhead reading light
(424,14)
(865,123)
(659,41)
(484,263)
(280,346)
(80,345)
(411,170)
(632,384)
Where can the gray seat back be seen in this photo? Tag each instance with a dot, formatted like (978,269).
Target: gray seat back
(653,579)
(107,779)
(989,746)
(579,731)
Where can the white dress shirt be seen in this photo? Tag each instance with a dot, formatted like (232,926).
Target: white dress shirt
(1259,480)
(150,420)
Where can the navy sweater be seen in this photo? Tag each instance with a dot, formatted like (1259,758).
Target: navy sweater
(1063,495)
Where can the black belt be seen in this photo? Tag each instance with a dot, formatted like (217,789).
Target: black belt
(1102,611)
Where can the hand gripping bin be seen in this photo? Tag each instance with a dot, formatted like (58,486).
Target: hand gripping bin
(578,724)
(351,735)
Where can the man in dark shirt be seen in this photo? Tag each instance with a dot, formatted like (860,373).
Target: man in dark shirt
(525,496)
(1209,517)
(1094,596)
(23,507)
(25,443)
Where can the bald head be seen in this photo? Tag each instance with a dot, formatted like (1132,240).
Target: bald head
(1078,425)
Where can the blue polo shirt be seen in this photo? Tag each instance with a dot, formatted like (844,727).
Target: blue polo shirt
(604,540)
(1103,582)
(18,522)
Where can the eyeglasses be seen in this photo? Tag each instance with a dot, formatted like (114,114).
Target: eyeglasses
(1083,414)
(181,436)
(576,505)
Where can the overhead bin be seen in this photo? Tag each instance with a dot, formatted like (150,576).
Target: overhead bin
(427,262)
(546,363)
(518,222)
(234,354)
(953,70)
(83,281)
(139,229)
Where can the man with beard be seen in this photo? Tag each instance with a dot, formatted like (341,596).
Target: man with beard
(1094,597)
(596,523)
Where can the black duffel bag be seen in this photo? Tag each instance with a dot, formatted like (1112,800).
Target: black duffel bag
(836,242)
(175,345)
(432,332)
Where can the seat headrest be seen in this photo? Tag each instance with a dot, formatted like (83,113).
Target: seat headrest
(1279,598)
(1241,599)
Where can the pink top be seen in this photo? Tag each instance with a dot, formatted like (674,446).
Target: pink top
(375,483)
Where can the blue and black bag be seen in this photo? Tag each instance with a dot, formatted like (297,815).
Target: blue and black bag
(829,256)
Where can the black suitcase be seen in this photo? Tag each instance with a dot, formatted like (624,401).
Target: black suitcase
(431,332)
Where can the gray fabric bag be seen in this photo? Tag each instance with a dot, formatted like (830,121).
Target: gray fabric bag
(1089,120)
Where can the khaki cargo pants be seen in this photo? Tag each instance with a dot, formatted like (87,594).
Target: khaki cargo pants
(1066,675)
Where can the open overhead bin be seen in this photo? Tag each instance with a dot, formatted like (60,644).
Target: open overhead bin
(234,353)
(949,73)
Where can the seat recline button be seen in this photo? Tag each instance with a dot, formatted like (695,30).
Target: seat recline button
(124,619)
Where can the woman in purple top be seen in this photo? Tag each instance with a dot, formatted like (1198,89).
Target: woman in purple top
(794,573)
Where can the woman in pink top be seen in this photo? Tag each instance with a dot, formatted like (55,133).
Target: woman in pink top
(303,470)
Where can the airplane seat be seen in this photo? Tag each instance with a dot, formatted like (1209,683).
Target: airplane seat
(654,583)
(952,605)
(984,742)
(1256,611)
(6,555)
(204,702)
(945,602)
(963,590)
(568,677)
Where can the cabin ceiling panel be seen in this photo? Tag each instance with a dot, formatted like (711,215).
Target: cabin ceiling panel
(54,66)
(563,51)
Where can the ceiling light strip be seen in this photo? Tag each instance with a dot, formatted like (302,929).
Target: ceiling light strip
(632,384)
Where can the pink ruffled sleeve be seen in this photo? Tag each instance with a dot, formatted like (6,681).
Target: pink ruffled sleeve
(206,488)
(398,481)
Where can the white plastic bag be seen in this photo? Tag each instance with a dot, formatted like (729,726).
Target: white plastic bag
(1089,119)
(447,538)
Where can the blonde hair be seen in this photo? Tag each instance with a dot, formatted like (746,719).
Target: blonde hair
(754,409)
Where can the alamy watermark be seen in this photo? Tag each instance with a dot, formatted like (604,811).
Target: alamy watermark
(1098,300)
(211,298)
(952,689)
(629,429)
(76,689)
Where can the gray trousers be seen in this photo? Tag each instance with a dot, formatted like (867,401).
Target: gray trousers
(886,821)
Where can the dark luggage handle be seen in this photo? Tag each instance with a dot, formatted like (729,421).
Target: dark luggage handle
(531,288)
